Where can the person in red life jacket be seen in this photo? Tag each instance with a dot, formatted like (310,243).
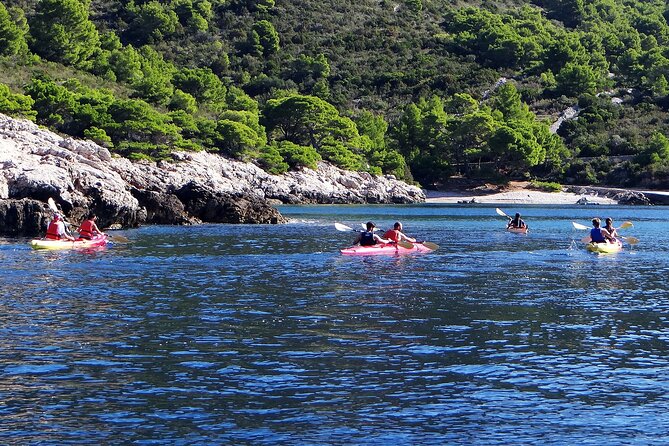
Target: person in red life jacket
(88,229)
(56,229)
(600,235)
(396,234)
(368,238)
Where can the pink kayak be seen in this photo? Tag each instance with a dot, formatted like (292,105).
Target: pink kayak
(384,248)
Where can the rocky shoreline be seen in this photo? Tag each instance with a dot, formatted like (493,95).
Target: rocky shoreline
(191,188)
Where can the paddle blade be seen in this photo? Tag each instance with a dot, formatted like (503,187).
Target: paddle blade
(364,227)
(405,244)
(631,240)
(343,228)
(118,239)
(52,204)
(54,208)
(430,245)
(626,224)
(579,226)
(501,212)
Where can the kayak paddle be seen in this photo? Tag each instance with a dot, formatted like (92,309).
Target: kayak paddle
(501,212)
(624,225)
(344,228)
(630,240)
(428,245)
(118,238)
(54,208)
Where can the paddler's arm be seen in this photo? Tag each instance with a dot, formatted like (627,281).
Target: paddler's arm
(97,230)
(66,233)
(382,240)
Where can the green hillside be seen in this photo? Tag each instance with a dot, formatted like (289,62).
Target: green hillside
(425,90)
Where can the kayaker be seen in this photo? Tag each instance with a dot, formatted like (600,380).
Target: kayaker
(56,229)
(368,238)
(396,234)
(516,222)
(609,227)
(599,235)
(88,229)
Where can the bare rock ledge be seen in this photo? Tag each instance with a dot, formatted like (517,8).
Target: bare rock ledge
(193,187)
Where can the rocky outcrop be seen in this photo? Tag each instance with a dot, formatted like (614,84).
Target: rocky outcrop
(621,196)
(217,207)
(190,188)
(632,198)
(23,217)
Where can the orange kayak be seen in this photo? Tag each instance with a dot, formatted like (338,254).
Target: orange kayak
(518,230)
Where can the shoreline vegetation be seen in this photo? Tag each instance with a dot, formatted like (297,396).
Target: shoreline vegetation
(420,91)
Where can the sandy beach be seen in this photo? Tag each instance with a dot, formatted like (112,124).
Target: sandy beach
(516,193)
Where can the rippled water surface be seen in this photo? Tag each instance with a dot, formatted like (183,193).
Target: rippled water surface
(226,334)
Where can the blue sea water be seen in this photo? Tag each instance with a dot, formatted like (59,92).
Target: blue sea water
(249,334)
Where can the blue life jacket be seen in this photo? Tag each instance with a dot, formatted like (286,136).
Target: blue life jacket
(367,239)
(596,235)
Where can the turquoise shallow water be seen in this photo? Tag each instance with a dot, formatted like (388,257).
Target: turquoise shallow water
(227,334)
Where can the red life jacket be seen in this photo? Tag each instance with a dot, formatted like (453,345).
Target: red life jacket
(391,234)
(52,231)
(86,229)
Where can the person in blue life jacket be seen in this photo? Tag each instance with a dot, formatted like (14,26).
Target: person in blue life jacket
(600,235)
(368,238)
(516,222)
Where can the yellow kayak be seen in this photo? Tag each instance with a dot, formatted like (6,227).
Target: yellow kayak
(604,248)
(95,242)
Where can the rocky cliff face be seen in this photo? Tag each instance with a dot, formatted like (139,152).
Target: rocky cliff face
(193,187)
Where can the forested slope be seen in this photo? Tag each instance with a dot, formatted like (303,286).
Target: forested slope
(421,89)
